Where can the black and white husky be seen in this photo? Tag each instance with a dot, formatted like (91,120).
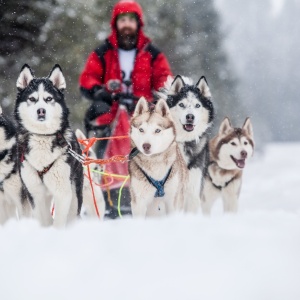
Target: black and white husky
(45,138)
(193,113)
(13,199)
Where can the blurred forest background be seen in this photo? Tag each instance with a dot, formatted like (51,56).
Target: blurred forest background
(248,51)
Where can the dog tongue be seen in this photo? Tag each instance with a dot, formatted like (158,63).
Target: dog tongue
(189,127)
(240,163)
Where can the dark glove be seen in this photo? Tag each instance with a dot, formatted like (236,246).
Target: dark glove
(128,102)
(100,94)
(97,109)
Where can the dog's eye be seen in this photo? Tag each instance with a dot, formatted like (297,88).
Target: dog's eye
(32,99)
(181,104)
(141,130)
(157,131)
(245,143)
(233,143)
(198,105)
(48,99)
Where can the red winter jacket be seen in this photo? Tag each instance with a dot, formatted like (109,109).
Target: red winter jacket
(150,70)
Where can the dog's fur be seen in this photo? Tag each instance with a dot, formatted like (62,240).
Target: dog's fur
(152,133)
(13,200)
(193,113)
(229,150)
(88,200)
(48,171)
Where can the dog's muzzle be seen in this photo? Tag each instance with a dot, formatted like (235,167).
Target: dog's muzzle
(189,125)
(41,112)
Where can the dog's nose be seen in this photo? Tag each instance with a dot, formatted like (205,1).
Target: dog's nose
(41,112)
(243,154)
(146,146)
(190,117)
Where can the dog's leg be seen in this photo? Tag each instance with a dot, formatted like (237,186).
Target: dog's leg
(39,193)
(13,193)
(138,204)
(3,216)
(138,208)
(230,196)
(208,197)
(58,182)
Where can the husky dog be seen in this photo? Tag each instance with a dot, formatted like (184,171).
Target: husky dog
(229,150)
(192,111)
(13,199)
(45,138)
(88,199)
(157,170)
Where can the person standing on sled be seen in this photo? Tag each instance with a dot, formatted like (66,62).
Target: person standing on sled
(127,63)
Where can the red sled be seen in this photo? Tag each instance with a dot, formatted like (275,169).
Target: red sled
(117,146)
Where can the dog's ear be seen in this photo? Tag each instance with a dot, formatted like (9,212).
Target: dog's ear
(203,87)
(162,108)
(225,126)
(80,135)
(176,85)
(57,78)
(141,107)
(248,127)
(26,75)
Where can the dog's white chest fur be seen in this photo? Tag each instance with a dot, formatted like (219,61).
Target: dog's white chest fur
(42,153)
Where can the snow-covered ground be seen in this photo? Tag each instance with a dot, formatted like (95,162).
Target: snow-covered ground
(252,255)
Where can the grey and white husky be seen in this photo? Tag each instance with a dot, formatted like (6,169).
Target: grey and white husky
(193,113)
(157,170)
(229,151)
(48,170)
(13,200)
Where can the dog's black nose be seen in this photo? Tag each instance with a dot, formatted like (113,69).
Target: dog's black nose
(41,112)
(146,147)
(190,117)
(243,154)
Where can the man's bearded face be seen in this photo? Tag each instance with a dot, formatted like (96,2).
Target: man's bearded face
(127,27)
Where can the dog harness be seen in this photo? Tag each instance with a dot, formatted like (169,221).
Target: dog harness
(219,187)
(158,184)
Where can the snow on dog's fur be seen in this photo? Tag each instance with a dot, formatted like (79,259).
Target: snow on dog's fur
(193,113)
(13,200)
(155,157)
(229,150)
(48,171)
(88,200)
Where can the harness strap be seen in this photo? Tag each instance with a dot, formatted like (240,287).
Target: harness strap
(219,187)
(45,170)
(134,152)
(158,184)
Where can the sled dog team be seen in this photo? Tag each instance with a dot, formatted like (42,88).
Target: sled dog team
(173,165)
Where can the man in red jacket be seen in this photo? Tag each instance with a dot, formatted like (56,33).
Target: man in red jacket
(127,62)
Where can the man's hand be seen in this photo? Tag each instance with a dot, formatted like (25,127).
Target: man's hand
(101,94)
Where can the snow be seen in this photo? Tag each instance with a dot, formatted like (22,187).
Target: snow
(252,255)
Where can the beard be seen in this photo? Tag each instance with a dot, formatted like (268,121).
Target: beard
(127,38)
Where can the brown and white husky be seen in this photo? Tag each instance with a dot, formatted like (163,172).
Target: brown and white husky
(229,150)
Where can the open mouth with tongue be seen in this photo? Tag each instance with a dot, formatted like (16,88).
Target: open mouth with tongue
(239,162)
(188,127)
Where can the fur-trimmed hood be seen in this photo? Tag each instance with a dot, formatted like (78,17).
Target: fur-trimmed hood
(128,6)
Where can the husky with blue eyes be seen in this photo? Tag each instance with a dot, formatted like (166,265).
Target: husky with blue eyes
(193,113)
(45,140)
(157,170)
